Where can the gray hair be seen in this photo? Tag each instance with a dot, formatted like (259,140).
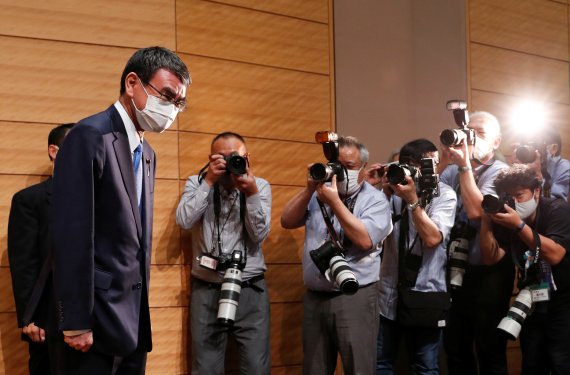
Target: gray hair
(491,122)
(348,141)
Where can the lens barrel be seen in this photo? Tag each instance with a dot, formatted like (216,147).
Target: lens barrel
(229,295)
(458,255)
(452,137)
(526,154)
(518,312)
(342,275)
(236,164)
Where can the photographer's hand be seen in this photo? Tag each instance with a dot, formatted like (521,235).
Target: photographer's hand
(216,169)
(246,183)
(460,155)
(373,174)
(311,184)
(509,219)
(328,194)
(406,192)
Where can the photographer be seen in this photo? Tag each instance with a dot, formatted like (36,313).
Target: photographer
(227,212)
(335,322)
(413,267)
(544,265)
(550,167)
(483,297)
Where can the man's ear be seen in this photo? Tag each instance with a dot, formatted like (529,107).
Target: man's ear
(131,80)
(52,151)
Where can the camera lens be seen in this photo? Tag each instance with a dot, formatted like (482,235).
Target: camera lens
(526,154)
(397,174)
(451,137)
(491,204)
(229,295)
(320,172)
(236,164)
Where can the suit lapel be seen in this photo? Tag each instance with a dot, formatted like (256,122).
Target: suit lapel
(125,161)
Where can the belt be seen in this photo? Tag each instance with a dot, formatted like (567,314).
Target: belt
(250,283)
(333,293)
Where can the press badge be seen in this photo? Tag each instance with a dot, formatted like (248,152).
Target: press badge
(208,262)
(540,293)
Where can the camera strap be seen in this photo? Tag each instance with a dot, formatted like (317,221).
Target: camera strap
(217,213)
(404,249)
(328,222)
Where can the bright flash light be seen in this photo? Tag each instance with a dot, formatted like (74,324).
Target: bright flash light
(529,117)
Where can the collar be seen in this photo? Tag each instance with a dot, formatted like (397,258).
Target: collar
(134,138)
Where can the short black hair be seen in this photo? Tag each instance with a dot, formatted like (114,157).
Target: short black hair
(147,61)
(517,176)
(226,135)
(57,134)
(415,151)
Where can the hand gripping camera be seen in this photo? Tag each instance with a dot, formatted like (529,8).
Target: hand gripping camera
(494,205)
(231,287)
(324,172)
(330,260)
(455,137)
(425,177)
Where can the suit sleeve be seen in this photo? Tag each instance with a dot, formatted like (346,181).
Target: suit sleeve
(23,250)
(77,170)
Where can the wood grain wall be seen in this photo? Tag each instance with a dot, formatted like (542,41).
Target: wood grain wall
(260,68)
(519,49)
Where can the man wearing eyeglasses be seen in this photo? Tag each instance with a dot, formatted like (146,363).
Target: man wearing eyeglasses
(102,220)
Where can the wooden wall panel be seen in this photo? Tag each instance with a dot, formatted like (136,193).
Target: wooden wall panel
(279,162)
(165,232)
(286,334)
(285,282)
(7,302)
(257,101)
(25,148)
(165,146)
(283,245)
(536,27)
(215,30)
(170,339)
(131,23)
(9,185)
(315,10)
(14,353)
(169,286)
(57,82)
(503,71)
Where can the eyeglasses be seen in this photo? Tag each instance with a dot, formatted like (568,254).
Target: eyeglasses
(180,103)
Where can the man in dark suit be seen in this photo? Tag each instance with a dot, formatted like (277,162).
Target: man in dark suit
(28,247)
(102,220)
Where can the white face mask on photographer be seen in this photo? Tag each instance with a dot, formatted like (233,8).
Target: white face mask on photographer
(157,115)
(481,149)
(525,209)
(350,185)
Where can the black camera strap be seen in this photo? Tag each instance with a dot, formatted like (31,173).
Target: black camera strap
(328,222)
(404,249)
(535,259)
(217,213)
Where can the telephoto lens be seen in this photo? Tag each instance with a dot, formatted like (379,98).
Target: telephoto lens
(230,291)
(452,137)
(458,255)
(331,263)
(520,309)
(321,172)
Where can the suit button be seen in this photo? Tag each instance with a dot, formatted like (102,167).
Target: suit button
(137,285)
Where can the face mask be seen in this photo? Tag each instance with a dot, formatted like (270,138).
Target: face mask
(525,209)
(157,115)
(350,184)
(482,149)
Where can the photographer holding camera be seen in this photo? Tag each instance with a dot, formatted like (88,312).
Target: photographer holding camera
(544,157)
(480,293)
(229,212)
(413,293)
(536,235)
(338,319)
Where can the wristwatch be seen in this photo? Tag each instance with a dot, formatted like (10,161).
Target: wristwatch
(413,206)
(464,169)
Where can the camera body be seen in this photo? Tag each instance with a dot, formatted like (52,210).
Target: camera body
(325,172)
(236,164)
(330,261)
(456,137)
(425,178)
(492,205)
(231,286)
(526,152)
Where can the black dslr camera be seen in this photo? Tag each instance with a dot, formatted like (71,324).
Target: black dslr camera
(494,205)
(526,152)
(455,137)
(330,260)
(425,178)
(236,164)
(324,172)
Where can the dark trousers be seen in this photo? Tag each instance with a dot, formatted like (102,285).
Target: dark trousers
(336,323)
(476,310)
(39,363)
(545,343)
(422,344)
(250,330)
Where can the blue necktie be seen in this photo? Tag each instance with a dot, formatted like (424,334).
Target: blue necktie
(138,172)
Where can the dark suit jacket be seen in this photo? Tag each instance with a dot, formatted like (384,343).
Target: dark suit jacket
(28,245)
(102,245)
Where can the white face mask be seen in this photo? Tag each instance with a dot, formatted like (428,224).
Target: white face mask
(157,115)
(482,149)
(525,209)
(350,185)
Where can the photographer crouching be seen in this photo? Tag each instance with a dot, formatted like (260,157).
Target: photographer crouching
(229,212)
(414,300)
(536,235)
(345,218)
